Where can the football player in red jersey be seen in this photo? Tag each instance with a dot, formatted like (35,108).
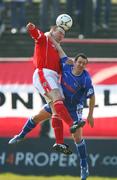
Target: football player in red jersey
(47,70)
(46,80)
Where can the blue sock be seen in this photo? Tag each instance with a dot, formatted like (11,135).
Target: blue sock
(28,126)
(82,153)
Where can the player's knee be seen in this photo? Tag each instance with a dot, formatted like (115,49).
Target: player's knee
(56,95)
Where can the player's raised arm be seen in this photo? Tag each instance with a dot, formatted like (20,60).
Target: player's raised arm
(61,52)
(34,32)
(59,48)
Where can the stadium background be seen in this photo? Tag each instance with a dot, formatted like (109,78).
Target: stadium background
(18,100)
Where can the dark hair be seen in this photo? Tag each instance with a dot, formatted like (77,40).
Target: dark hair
(81,55)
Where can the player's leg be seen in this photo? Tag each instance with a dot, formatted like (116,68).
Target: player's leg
(30,125)
(80,142)
(57,125)
(44,114)
(82,153)
(59,146)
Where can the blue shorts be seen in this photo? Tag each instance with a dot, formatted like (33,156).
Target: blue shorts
(75,113)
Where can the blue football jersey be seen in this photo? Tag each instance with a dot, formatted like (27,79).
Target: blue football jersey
(76,88)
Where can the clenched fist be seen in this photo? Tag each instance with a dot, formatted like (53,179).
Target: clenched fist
(30,26)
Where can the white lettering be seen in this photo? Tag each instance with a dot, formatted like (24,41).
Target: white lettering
(73,160)
(53,158)
(29,159)
(62,160)
(108,160)
(19,157)
(93,159)
(41,159)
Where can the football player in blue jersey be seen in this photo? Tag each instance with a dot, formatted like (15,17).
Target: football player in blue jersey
(77,87)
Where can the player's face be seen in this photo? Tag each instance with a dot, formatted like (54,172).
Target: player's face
(80,64)
(58,35)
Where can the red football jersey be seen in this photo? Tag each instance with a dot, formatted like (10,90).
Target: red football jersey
(45,53)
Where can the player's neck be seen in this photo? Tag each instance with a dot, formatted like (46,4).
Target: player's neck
(76,72)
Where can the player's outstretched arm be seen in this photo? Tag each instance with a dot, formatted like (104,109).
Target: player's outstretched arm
(33,31)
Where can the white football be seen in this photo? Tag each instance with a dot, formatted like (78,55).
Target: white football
(64,21)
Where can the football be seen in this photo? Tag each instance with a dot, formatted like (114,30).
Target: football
(64,21)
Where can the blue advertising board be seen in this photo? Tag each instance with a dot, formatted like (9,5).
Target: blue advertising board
(34,157)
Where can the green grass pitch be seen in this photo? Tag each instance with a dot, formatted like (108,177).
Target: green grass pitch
(9,176)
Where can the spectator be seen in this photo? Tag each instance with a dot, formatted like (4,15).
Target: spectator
(49,10)
(97,14)
(2,25)
(18,16)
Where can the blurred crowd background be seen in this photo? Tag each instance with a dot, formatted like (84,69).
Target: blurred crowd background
(92,18)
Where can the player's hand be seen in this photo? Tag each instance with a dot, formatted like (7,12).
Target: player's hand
(90,120)
(30,26)
(69,61)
